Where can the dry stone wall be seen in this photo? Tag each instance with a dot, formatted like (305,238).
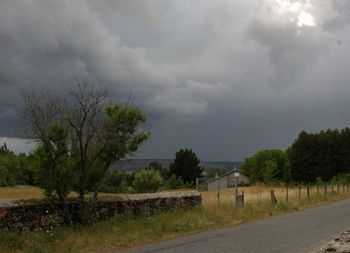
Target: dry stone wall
(29,214)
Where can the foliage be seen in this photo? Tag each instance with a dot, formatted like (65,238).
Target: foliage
(121,138)
(147,181)
(269,172)
(82,130)
(15,169)
(325,154)
(174,182)
(319,181)
(267,166)
(55,166)
(186,165)
(164,172)
(117,182)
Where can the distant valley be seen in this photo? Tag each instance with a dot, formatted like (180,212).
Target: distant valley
(136,164)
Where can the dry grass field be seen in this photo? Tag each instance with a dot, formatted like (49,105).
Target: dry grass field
(120,233)
(28,192)
(260,194)
(21,192)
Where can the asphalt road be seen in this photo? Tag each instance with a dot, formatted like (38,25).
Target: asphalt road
(290,233)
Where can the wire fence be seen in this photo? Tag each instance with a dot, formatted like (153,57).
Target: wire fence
(274,195)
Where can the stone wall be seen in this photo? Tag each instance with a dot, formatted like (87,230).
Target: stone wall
(29,214)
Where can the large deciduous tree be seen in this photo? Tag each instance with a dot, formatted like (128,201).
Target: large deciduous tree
(81,132)
(267,166)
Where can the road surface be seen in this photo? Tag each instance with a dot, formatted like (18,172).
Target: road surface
(290,233)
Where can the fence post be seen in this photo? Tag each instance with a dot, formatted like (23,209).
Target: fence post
(325,189)
(318,190)
(240,199)
(273,198)
(308,191)
(218,191)
(299,192)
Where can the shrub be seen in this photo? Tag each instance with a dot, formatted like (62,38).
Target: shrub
(174,182)
(147,181)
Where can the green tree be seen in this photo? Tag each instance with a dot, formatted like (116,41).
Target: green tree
(99,132)
(164,172)
(186,165)
(4,150)
(55,166)
(147,181)
(174,182)
(269,172)
(325,154)
(267,166)
(120,137)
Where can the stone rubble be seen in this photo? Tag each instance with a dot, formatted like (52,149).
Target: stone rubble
(341,244)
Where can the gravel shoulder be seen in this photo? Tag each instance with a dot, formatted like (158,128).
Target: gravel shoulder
(340,244)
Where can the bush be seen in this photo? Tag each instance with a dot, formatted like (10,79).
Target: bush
(174,182)
(147,181)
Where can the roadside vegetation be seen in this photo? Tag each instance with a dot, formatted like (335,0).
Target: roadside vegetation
(121,233)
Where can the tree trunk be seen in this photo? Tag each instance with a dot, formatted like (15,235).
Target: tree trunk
(66,214)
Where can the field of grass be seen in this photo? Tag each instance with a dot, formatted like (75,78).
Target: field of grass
(118,233)
(21,192)
(29,192)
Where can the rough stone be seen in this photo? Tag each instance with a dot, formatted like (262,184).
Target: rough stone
(31,214)
(340,244)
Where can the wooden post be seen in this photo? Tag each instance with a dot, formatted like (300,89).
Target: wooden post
(325,189)
(299,192)
(308,191)
(273,198)
(218,192)
(318,190)
(240,199)
(236,189)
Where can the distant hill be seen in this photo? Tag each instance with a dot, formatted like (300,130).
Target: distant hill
(136,164)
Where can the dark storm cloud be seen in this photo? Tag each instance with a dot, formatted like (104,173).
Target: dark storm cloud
(224,77)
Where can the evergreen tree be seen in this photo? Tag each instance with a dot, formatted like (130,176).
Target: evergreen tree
(325,155)
(186,165)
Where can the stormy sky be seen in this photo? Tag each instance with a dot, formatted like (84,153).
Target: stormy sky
(225,78)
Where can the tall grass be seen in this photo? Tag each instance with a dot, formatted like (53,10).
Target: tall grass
(260,194)
(120,233)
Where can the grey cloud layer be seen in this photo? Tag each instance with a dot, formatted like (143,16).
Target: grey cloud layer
(225,65)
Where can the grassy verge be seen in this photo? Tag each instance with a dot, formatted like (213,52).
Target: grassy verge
(119,233)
